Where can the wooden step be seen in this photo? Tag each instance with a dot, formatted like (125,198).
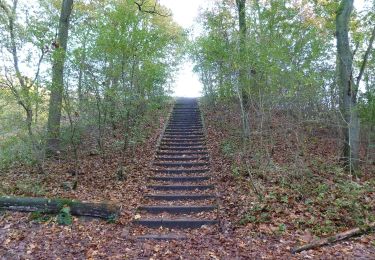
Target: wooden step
(179,153)
(183,158)
(199,144)
(185,120)
(191,115)
(189,148)
(176,209)
(170,144)
(174,124)
(181,179)
(184,136)
(180,187)
(183,140)
(171,197)
(181,164)
(180,171)
(175,223)
(183,127)
(184,132)
(178,108)
(161,237)
(187,124)
(180,129)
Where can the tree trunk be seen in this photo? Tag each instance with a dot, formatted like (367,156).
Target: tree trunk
(57,88)
(80,75)
(52,206)
(347,86)
(244,97)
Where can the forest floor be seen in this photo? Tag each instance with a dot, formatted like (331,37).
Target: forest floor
(280,224)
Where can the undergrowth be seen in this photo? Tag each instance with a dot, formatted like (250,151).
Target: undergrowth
(298,174)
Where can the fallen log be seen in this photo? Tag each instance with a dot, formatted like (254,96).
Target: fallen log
(53,206)
(335,238)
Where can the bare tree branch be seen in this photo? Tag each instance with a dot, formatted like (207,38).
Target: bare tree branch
(38,69)
(11,14)
(355,49)
(150,9)
(365,57)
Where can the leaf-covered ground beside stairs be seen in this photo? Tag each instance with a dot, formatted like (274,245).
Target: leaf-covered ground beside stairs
(283,219)
(270,235)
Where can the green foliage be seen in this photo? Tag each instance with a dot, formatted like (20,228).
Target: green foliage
(259,213)
(289,59)
(15,150)
(228,147)
(29,188)
(236,171)
(282,228)
(112,219)
(69,137)
(64,217)
(119,65)
(39,217)
(351,201)
(343,203)
(324,228)
(61,203)
(247,218)
(24,186)
(15,144)
(367,108)
(275,50)
(321,191)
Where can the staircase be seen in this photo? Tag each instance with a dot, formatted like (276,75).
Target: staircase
(180,195)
